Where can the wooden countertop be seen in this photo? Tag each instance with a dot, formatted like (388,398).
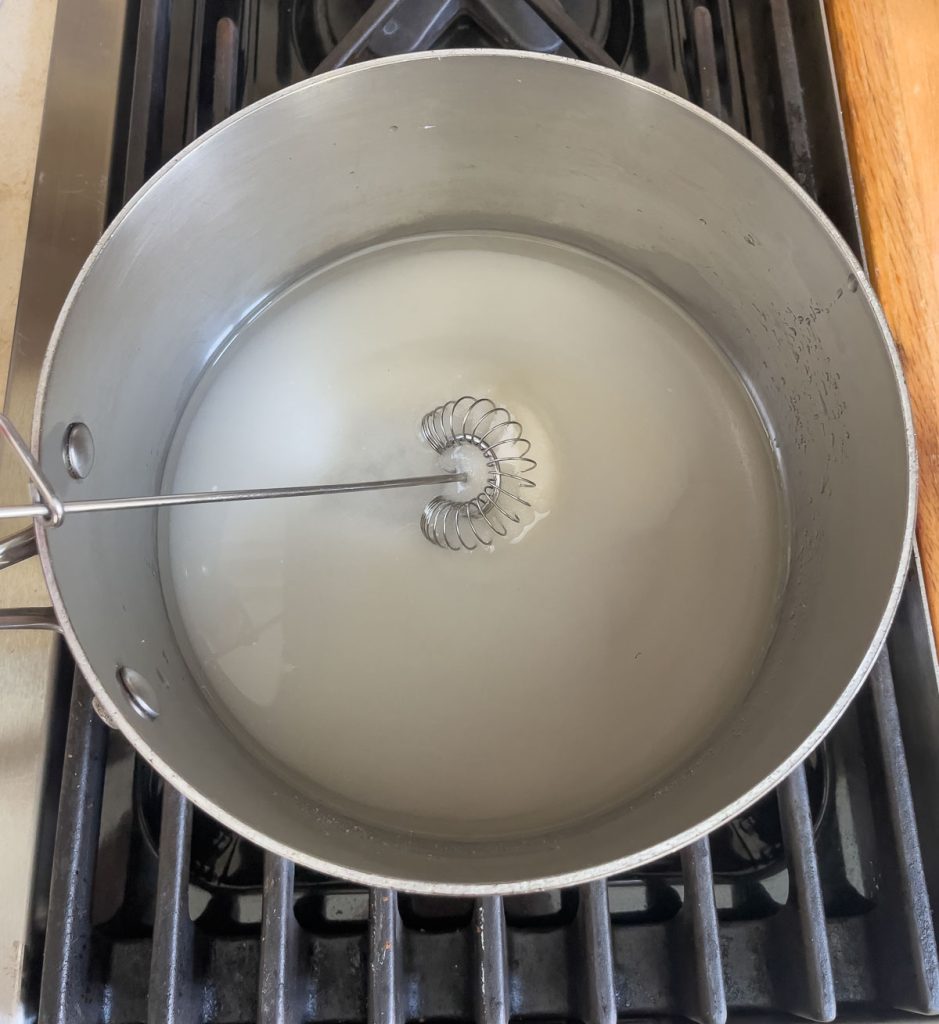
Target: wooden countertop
(887,57)
(25,41)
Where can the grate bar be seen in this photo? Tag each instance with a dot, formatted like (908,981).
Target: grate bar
(357,36)
(702,982)
(278,976)
(596,944)
(149,92)
(707,61)
(65,996)
(731,49)
(191,124)
(384,958)
(810,989)
(790,82)
(172,994)
(583,45)
(225,72)
(183,67)
(915,985)
(491,960)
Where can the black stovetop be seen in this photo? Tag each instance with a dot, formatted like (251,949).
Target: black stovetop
(814,902)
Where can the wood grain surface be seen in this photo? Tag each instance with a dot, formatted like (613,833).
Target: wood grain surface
(887,58)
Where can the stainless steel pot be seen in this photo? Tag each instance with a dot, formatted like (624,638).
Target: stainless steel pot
(545,147)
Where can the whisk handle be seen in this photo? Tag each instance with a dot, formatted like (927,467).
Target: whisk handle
(40,510)
(53,510)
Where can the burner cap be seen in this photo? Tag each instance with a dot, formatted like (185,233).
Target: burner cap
(431,24)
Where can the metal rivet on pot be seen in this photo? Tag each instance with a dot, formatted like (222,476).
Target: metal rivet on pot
(139,692)
(78,450)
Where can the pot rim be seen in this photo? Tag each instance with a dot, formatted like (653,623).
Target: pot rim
(619,865)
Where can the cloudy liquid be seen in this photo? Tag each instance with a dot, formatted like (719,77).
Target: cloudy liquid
(494,692)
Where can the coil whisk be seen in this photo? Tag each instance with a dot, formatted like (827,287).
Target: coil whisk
(466,523)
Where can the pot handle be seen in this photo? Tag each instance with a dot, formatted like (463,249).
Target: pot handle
(29,618)
(17,548)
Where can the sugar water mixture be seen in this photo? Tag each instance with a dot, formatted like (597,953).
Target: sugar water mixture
(499,691)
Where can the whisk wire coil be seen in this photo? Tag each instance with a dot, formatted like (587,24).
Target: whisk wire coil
(465,524)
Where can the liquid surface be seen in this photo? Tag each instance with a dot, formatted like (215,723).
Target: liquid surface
(494,692)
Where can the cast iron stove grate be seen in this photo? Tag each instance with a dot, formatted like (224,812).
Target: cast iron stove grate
(814,904)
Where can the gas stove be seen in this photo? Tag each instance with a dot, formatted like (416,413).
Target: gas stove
(123,903)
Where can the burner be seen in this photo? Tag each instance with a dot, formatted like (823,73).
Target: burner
(436,24)
(219,859)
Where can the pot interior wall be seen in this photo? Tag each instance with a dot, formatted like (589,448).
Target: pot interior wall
(493,141)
